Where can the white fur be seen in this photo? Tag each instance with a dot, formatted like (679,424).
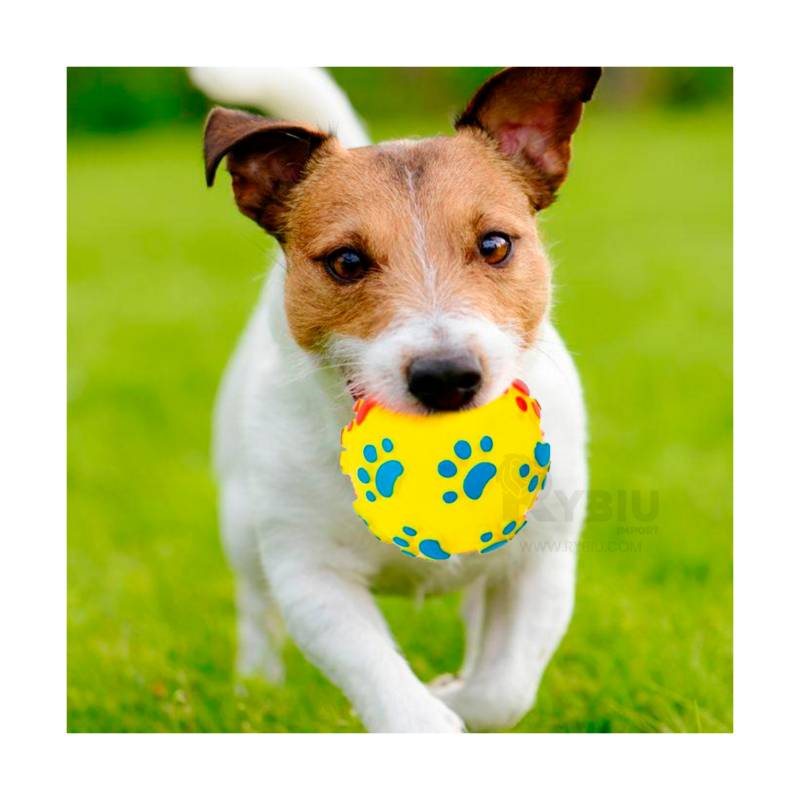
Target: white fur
(379,365)
(300,553)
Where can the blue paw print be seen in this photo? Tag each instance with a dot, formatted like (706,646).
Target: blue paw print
(541,454)
(478,476)
(505,537)
(386,474)
(428,547)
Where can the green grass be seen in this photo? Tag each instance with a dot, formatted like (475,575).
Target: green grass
(161,277)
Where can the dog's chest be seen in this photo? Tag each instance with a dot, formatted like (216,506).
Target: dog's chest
(396,575)
(335,534)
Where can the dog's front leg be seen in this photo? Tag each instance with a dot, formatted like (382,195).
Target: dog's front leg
(334,619)
(524,617)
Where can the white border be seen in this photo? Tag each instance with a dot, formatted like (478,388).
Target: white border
(40,41)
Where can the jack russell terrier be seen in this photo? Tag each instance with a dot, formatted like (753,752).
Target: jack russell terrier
(411,271)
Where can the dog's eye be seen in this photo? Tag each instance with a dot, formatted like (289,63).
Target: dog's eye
(495,248)
(347,265)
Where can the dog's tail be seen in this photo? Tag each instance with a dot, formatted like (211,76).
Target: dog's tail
(300,94)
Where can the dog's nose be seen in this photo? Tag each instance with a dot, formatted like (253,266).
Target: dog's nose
(444,384)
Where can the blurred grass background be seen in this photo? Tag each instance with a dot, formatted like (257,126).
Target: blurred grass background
(161,277)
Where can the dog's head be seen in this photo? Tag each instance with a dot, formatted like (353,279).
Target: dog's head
(415,266)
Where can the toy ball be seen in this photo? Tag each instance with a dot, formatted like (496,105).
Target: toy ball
(447,483)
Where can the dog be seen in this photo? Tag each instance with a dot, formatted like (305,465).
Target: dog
(411,272)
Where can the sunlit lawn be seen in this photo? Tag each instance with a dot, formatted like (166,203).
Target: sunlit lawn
(162,274)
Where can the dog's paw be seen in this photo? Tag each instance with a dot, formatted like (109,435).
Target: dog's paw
(437,718)
(484,709)
(427,715)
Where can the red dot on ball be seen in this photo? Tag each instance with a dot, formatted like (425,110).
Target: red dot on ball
(364,409)
(523,406)
(521,386)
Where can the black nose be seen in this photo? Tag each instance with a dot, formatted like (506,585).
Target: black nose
(444,384)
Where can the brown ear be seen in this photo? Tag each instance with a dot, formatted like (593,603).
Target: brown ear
(266,158)
(531,113)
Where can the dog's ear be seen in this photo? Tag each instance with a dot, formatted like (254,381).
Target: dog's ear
(266,158)
(531,113)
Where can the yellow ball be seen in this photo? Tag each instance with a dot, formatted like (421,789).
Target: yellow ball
(448,483)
